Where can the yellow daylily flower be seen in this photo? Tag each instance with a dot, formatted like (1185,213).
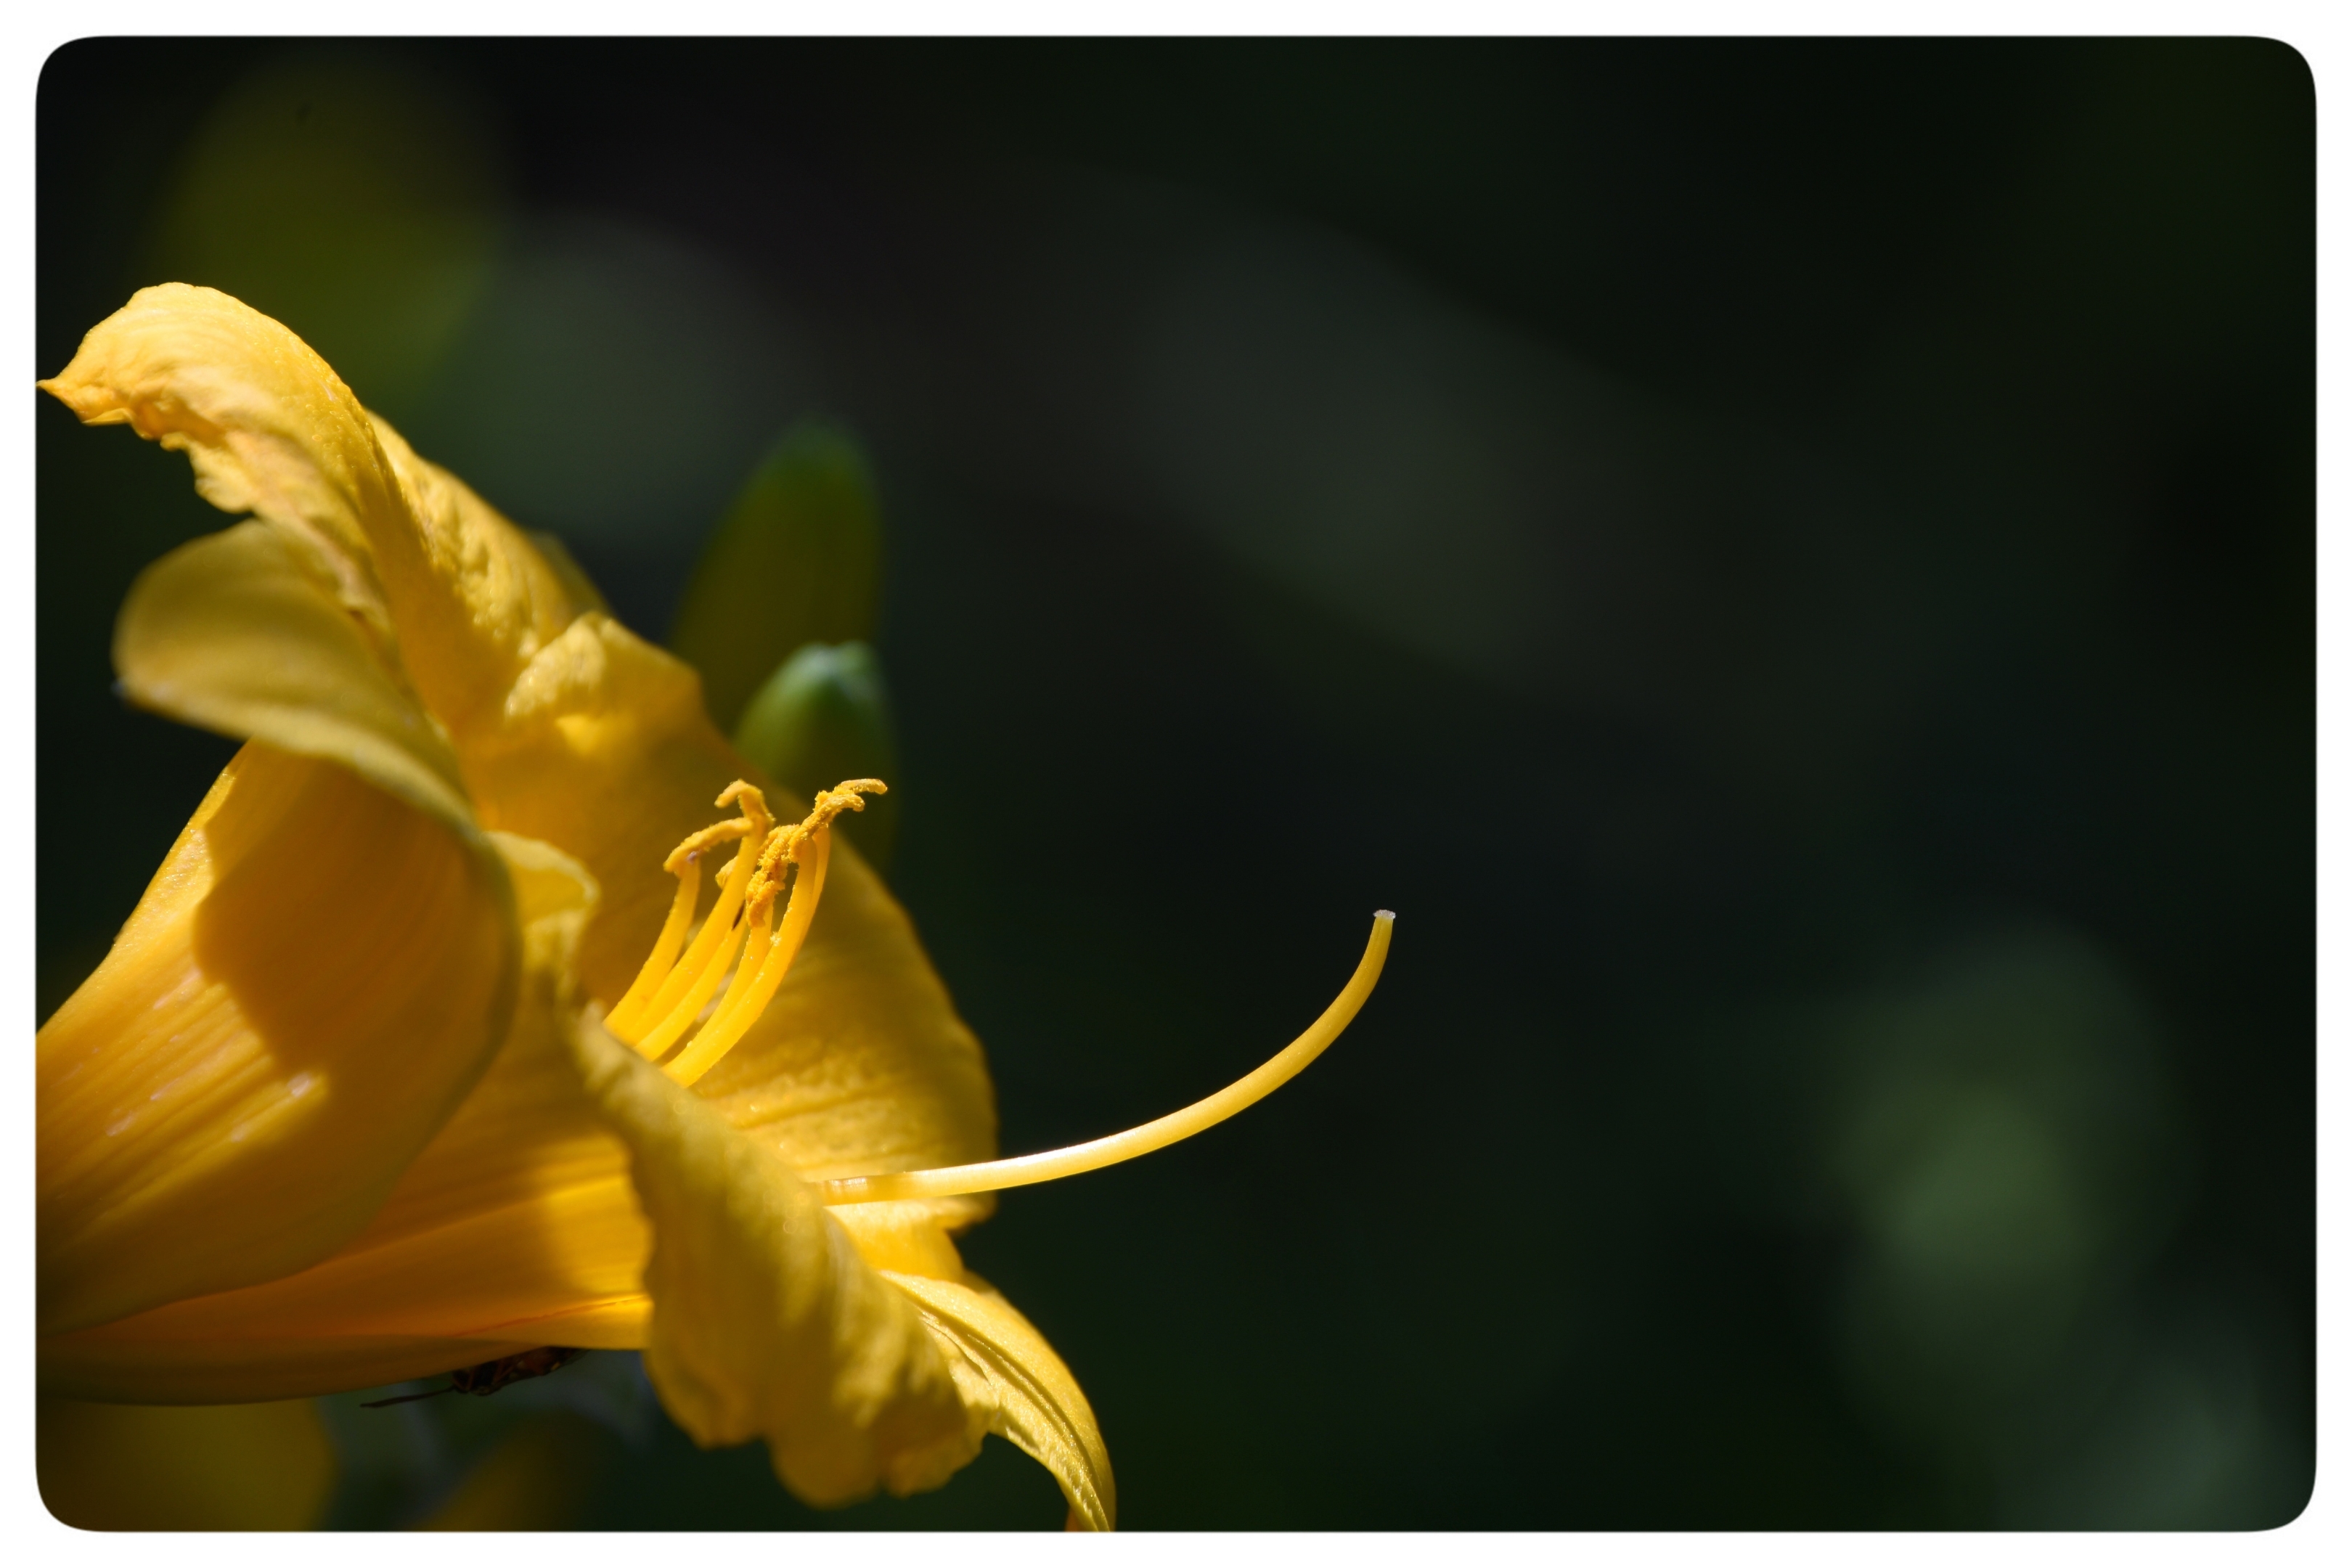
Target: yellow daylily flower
(413,1055)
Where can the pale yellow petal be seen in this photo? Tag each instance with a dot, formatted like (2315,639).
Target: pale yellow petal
(1004,1369)
(233,1467)
(315,978)
(766,1321)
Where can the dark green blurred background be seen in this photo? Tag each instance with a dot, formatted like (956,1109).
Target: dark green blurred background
(1789,564)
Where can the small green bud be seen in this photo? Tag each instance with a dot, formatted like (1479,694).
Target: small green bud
(796,559)
(822,717)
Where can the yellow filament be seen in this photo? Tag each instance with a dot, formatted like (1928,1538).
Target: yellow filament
(630,1010)
(719,1035)
(689,1005)
(759,931)
(995,1175)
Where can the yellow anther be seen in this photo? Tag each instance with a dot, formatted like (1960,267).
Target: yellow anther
(807,844)
(669,996)
(843,796)
(765,883)
(700,843)
(661,987)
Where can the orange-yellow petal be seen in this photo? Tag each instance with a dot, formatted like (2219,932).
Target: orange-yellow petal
(268,426)
(313,980)
(516,1226)
(860,1063)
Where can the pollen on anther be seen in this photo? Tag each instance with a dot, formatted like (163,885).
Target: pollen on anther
(674,1004)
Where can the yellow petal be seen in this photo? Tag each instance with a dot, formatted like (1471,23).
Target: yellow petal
(270,429)
(515,1227)
(860,1064)
(235,1467)
(569,729)
(268,426)
(232,633)
(766,1322)
(313,980)
(1006,1370)
(472,599)
(901,1238)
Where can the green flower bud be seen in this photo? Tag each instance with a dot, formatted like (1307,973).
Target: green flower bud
(796,559)
(822,717)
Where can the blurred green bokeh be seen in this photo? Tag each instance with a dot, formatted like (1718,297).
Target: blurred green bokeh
(796,559)
(355,198)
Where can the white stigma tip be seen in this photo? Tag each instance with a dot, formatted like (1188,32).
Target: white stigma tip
(1383,915)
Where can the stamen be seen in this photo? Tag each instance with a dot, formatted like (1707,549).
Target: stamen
(697,995)
(630,1010)
(721,1035)
(705,963)
(757,931)
(808,846)
(667,998)
(995,1175)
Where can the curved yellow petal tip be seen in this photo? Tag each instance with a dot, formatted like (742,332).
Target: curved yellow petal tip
(1011,1378)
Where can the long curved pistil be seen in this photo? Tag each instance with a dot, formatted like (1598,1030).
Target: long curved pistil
(1238,1096)
(739,939)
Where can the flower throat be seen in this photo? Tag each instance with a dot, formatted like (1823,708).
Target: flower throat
(745,936)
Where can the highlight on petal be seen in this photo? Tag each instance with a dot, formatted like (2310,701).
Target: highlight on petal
(1007,1373)
(315,978)
(516,1226)
(766,1321)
